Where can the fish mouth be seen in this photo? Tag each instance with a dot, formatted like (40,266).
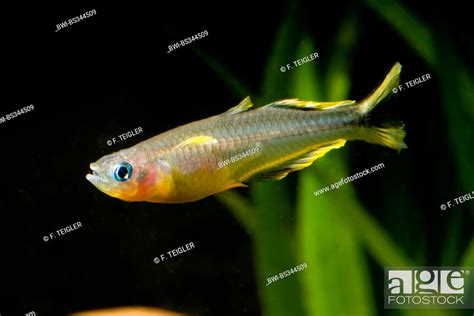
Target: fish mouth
(95,176)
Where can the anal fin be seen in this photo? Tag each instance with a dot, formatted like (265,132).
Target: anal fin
(299,161)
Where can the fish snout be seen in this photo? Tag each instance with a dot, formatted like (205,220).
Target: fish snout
(95,176)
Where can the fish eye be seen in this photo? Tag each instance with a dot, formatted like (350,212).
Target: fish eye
(123,171)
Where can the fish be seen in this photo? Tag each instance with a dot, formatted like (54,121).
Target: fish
(212,155)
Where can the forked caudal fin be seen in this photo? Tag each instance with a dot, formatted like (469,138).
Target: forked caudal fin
(389,135)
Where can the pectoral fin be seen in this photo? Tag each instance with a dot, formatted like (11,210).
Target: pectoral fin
(197,140)
(235,185)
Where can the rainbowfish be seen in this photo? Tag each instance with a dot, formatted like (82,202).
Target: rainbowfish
(185,164)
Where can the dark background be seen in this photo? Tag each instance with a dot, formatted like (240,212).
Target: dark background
(109,74)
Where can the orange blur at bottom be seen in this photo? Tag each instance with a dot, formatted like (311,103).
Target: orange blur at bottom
(128,311)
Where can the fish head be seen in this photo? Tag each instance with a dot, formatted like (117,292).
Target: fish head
(126,175)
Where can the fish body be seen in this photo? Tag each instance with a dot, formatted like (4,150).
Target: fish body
(211,155)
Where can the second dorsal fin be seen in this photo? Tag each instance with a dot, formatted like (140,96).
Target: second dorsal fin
(308,105)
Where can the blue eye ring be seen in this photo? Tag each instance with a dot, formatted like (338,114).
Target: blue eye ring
(123,171)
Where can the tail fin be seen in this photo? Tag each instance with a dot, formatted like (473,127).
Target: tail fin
(390,135)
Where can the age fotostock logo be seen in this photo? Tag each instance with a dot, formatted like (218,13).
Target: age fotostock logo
(428,287)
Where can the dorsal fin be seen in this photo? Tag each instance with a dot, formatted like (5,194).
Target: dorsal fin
(308,105)
(244,105)
(299,161)
(196,140)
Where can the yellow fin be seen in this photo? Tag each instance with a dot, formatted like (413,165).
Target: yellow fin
(389,136)
(297,162)
(308,105)
(384,90)
(244,105)
(197,140)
